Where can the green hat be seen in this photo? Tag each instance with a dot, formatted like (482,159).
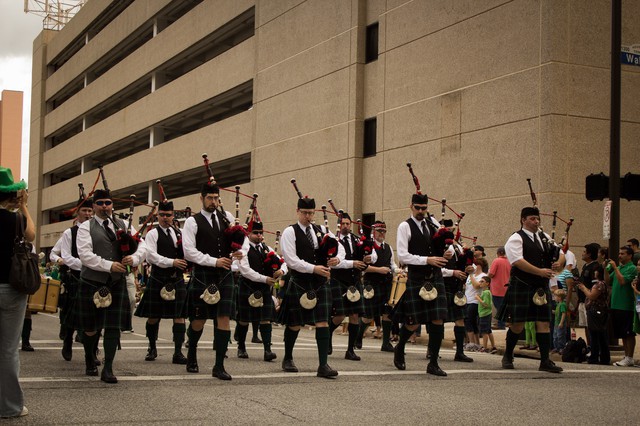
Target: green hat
(6,181)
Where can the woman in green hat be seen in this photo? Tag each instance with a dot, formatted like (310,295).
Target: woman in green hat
(13,204)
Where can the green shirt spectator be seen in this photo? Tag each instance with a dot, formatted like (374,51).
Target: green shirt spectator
(622,296)
(484,307)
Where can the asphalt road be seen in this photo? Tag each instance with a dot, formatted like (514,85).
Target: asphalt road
(370,391)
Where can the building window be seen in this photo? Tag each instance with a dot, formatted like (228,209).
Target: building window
(369,146)
(371,43)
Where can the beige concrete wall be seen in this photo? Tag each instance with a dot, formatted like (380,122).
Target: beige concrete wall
(11,131)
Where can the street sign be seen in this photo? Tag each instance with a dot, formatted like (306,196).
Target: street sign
(606,221)
(630,55)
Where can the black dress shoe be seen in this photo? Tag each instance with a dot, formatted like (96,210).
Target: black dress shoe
(387,347)
(27,347)
(507,362)
(358,344)
(289,366)
(179,359)
(269,356)
(220,373)
(107,376)
(192,362)
(549,366)
(67,352)
(326,371)
(91,370)
(435,370)
(152,354)
(256,339)
(96,361)
(242,354)
(462,358)
(351,356)
(398,359)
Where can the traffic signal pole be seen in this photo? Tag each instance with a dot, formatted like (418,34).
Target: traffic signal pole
(614,143)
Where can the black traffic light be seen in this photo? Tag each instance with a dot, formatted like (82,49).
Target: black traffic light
(597,187)
(630,187)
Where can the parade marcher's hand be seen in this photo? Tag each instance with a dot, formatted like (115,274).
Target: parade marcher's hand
(334,261)
(277,274)
(60,261)
(223,262)
(118,267)
(367,259)
(459,275)
(236,255)
(180,264)
(127,260)
(448,254)
(271,281)
(469,269)
(385,270)
(436,261)
(359,265)
(545,273)
(323,271)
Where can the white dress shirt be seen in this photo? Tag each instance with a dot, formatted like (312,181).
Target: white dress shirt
(288,244)
(245,269)
(191,253)
(56,251)
(72,262)
(152,255)
(403,237)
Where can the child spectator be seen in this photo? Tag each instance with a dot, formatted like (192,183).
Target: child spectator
(484,312)
(530,336)
(560,323)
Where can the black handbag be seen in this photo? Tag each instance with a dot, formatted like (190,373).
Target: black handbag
(24,275)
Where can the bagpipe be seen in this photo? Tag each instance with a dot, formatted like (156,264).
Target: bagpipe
(234,235)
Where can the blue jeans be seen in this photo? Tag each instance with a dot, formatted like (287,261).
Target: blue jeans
(12,308)
(497,303)
(559,337)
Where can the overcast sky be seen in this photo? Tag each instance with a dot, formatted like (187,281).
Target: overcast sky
(17,31)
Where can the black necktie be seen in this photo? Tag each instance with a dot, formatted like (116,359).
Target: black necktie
(110,233)
(214,222)
(424,228)
(347,246)
(537,242)
(309,236)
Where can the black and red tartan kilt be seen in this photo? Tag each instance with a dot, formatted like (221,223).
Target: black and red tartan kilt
(518,305)
(90,318)
(152,305)
(454,312)
(340,304)
(201,278)
(378,304)
(71,281)
(412,309)
(293,314)
(246,312)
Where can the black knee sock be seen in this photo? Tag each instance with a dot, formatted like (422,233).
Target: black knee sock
(242,335)
(26,331)
(290,337)
(322,340)
(96,342)
(544,343)
(222,338)
(386,331)
(361,330)
(265,332)
(376,321)
(110,342)
(405,334)
(436,334)
(459,332)
(512,341)
(254,327)
(68,337)
(353,335)
(89,342)
(152,333)
(194,337)
(178,330)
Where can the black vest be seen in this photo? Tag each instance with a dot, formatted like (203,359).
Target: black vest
(304,250)
(384,259)
(256,260)
(165,247)
(349,275)
(535,256)
(74,243)
(208,238)
(420,245)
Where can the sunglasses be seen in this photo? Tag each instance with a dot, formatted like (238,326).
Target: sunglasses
(382,231)
(103,203)
(257,232)
(165,214)
(420,208)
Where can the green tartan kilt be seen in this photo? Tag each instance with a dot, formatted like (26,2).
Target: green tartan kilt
(518,303)
(378,304)
(247,313)
(152,305)
(412,309)
(293,314)
(201,278)
(89,318)
(340,304)
(71,283)
(454,312)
